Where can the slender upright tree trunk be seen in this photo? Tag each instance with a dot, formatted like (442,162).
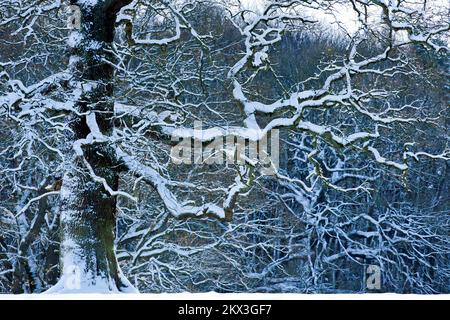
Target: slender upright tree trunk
(88,210)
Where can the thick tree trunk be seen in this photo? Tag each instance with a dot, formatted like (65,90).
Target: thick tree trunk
(88,210)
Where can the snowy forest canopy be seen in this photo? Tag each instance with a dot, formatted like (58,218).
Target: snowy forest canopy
(95,95)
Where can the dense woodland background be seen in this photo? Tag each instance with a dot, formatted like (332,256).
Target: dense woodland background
(280,238)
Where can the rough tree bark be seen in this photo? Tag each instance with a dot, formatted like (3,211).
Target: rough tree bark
(88,210)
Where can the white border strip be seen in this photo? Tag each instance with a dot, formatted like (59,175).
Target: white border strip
(226,296)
